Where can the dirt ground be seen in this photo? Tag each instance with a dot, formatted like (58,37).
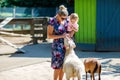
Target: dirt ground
(16,40)
(34,65)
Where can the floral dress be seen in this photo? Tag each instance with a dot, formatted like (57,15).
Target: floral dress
(58,48)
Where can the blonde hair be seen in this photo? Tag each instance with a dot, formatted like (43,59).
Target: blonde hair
(74,16)
(62,11)
(62,7)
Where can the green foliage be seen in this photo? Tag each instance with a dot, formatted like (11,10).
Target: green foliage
(35,3)
(3,3)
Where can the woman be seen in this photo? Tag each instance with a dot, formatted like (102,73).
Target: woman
(57,30)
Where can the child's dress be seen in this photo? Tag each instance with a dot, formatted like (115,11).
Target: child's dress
(70,25)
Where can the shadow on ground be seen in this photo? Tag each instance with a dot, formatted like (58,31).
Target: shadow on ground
(38,50)
(43,50)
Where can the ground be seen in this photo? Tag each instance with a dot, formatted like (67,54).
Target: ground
(35,63)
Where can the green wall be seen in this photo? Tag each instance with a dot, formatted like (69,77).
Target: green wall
(86,10)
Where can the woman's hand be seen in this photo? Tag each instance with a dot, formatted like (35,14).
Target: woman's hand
(66,35)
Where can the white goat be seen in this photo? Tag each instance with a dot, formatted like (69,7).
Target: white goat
(73,66)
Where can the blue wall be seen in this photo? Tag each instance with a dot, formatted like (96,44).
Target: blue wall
(108,25)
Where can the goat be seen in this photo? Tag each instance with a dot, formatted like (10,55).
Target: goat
(92,66)
(73,66)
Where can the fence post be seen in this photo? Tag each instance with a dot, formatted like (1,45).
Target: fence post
(14,12)
(32,12)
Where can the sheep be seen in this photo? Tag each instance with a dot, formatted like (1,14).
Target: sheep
(72,66)
(92,66)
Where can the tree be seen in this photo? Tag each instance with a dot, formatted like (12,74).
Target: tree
(35,3)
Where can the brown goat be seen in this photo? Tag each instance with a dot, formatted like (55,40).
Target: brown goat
(92,66)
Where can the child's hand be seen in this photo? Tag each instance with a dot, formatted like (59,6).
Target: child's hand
(74,29)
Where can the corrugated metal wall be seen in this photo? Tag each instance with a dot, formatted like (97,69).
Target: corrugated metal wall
(86,10)
(108,25)
(99,24)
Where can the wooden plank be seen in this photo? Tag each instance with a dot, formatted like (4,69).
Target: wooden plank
(13,34)
(38,26)
(5,22)
(18,31)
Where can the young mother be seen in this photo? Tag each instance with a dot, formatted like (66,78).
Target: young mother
(57,30)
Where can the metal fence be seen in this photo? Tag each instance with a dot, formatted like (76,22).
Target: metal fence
(22,12)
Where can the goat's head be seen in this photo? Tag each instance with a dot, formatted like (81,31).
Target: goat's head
(69,43)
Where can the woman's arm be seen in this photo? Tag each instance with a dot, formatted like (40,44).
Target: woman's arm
(50,33)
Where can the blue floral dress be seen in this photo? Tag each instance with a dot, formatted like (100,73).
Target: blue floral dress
(58,48)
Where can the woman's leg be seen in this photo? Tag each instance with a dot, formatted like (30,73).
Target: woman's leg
(56,74)
(61,74)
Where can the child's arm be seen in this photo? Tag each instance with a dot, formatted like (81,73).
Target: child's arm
(75,29)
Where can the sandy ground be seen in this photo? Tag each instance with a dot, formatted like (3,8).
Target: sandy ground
(43,71)
(17,41)
(35,63)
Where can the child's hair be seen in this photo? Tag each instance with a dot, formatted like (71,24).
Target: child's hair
(62,11)
(74,16)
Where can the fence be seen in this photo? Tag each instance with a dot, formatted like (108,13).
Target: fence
(22,12)
(29,20)
(38,27)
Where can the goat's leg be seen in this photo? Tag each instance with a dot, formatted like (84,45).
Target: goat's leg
(99,76)
(86,75)
(92,76)
(79,77)
(99,73)
(67,77)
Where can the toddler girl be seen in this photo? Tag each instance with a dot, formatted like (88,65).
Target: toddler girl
(73,24)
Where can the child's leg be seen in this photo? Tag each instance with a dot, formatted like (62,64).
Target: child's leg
(72,33)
